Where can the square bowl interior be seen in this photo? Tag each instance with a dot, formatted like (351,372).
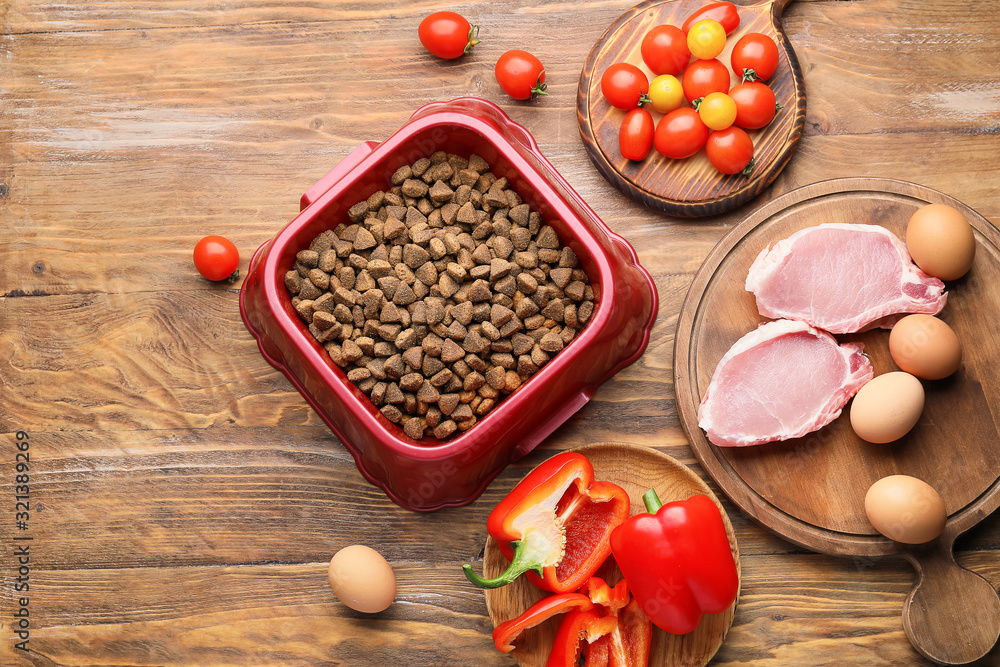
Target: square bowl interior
(372,174)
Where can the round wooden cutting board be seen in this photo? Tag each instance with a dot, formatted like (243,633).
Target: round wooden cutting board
(636,469)
(811,490)
(690,187)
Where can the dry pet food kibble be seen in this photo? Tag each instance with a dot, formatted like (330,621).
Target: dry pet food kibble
(442,295)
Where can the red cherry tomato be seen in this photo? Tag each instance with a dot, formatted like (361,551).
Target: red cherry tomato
(703,77)
(625,86)
(725,13)
(665,51)
(755,105)
(216,258)
(521,75)
(447,34)
(757,53)
(730,151)
(680,133)
(635,137)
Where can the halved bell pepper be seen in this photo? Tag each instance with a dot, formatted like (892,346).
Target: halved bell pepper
(555,525)
(677,561)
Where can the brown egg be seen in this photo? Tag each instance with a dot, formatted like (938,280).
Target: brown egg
(887,407)
(905,509)
(925,346)
(940,241)
(362,579)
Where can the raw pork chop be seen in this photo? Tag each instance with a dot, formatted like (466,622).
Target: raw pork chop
(780,381)
(842,278)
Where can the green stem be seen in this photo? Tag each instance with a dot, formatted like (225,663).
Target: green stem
(652,501)
(540,87)
(518,566)
(473,33)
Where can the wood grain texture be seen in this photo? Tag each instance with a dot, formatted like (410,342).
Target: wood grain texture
(689,187)
(187,497)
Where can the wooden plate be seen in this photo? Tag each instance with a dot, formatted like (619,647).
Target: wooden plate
(691,187)
(636,469)
(811,490)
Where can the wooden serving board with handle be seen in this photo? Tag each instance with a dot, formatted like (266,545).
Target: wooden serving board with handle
(811,490)
(690,187)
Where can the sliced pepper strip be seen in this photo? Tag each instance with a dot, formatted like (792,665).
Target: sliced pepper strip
(678,561)
(627,644)
(632,638)
(621,639)
(577,626)
(555,525)
(505,633)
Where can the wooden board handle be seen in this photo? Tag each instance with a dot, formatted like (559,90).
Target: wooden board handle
(952,615)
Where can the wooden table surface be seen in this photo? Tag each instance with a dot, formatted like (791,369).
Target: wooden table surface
(184,499)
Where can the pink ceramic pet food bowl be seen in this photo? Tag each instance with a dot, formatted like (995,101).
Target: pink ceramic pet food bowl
(430,474)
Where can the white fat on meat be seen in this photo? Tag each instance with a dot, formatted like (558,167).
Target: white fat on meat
(842,278)
(781,381)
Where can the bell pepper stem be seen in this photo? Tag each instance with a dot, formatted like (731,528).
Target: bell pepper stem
(518,566)
(652,501)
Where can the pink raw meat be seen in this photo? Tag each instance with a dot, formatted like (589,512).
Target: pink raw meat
(842,278)
(778,382)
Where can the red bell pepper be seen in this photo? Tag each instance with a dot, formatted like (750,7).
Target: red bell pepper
(620,637)
(627,644)
(505,633)
(576,626)
(677,561)
(555,525)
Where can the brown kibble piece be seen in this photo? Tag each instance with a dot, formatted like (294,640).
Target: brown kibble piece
(440,192)
(551,343)
(561,277)
(511,381)
(495,377)
(392,413)
(412,187)
(451,351)
(414,428)
(428,392)
(401,175)
(357,212)
(466,214)
(480,291)
(547,238)
(445,429)
(575,290)
(447,403)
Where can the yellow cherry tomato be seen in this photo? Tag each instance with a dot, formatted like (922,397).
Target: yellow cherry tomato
(706,39)
(717,111)
(666,93)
